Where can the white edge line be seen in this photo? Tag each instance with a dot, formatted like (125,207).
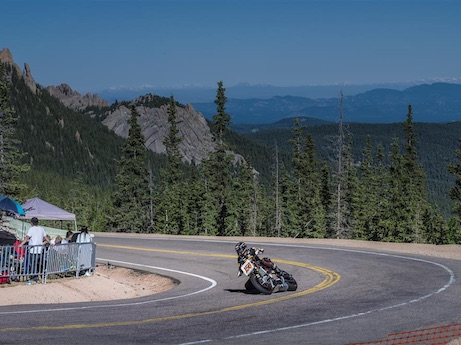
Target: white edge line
(212,282)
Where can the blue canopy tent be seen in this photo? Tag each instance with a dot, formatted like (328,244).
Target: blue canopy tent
(10,205)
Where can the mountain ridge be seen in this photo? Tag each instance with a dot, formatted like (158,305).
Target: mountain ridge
(434,103)
(198,94)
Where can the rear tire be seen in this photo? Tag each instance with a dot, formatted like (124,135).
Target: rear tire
(291,282)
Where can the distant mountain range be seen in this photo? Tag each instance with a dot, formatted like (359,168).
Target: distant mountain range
(437,102)
(197,94)
(434,103)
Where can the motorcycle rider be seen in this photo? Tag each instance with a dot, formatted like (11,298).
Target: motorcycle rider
(243,252)
(241,249)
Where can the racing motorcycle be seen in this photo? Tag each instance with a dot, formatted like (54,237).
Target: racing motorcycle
(264,275)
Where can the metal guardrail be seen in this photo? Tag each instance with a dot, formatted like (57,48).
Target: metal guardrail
(34,263)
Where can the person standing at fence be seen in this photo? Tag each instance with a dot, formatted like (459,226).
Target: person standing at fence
(35,238)
(83,236)
(85,251)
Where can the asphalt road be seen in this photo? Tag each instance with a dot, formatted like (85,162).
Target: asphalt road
(344,296)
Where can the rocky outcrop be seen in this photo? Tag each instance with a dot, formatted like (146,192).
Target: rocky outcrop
(195,134)
(74,100)
(28,79)
(7,57)
(70,98)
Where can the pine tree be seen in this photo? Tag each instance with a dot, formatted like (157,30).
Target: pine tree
(351,198)
(310,215)
(339,178)
(243,200)
(131,199)
(435,229)
(288,205)
(325,196)
(277,209)
(172,173)
(172,207)
(455,192)
(365,225)
(218,166)
(343,194)
(195,196)
(415,183)
(10,156)
(454,233)
(382,194)
(396,215)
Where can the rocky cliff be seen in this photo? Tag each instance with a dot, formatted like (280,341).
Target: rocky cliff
(70,98)
(195,134)
(74,100)
(7,57)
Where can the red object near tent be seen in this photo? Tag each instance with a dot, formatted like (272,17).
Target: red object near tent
(20,251)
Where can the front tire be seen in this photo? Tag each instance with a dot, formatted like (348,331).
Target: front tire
(249,286)
(263,284)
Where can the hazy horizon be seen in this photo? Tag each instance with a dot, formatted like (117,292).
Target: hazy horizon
(96,44)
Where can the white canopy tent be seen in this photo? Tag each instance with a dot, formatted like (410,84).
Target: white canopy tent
(41,209)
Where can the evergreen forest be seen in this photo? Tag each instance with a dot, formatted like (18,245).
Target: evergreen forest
(350,181)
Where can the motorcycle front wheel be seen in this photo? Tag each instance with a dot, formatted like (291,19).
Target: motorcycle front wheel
(249,285)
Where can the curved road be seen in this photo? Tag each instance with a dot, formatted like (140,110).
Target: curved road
(344,296)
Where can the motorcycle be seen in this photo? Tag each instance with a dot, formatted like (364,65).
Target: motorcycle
(263,275)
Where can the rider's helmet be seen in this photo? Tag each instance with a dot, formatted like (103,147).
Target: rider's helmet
(240,247)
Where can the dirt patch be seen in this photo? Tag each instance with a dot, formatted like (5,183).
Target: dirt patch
(107,283)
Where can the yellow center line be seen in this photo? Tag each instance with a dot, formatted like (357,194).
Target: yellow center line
(331,278)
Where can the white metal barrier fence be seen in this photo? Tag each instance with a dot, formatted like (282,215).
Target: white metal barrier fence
(39,262)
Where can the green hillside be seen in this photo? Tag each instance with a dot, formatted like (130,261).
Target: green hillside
(72,156)
(61,141)
(437,144)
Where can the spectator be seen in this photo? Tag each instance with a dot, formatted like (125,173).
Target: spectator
(68,237)
(85,250)
(83,236)
(35,237)
(57,240)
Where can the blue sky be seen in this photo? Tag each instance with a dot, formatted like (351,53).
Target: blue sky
(96,44)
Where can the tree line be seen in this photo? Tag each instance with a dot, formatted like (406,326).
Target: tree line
(379,196)
(380,199)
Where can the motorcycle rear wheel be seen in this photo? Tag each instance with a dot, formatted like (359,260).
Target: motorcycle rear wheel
(291,282)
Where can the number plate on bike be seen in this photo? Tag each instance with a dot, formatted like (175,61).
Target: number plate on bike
(247,267)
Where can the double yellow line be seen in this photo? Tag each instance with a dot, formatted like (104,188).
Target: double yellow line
(331,278)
